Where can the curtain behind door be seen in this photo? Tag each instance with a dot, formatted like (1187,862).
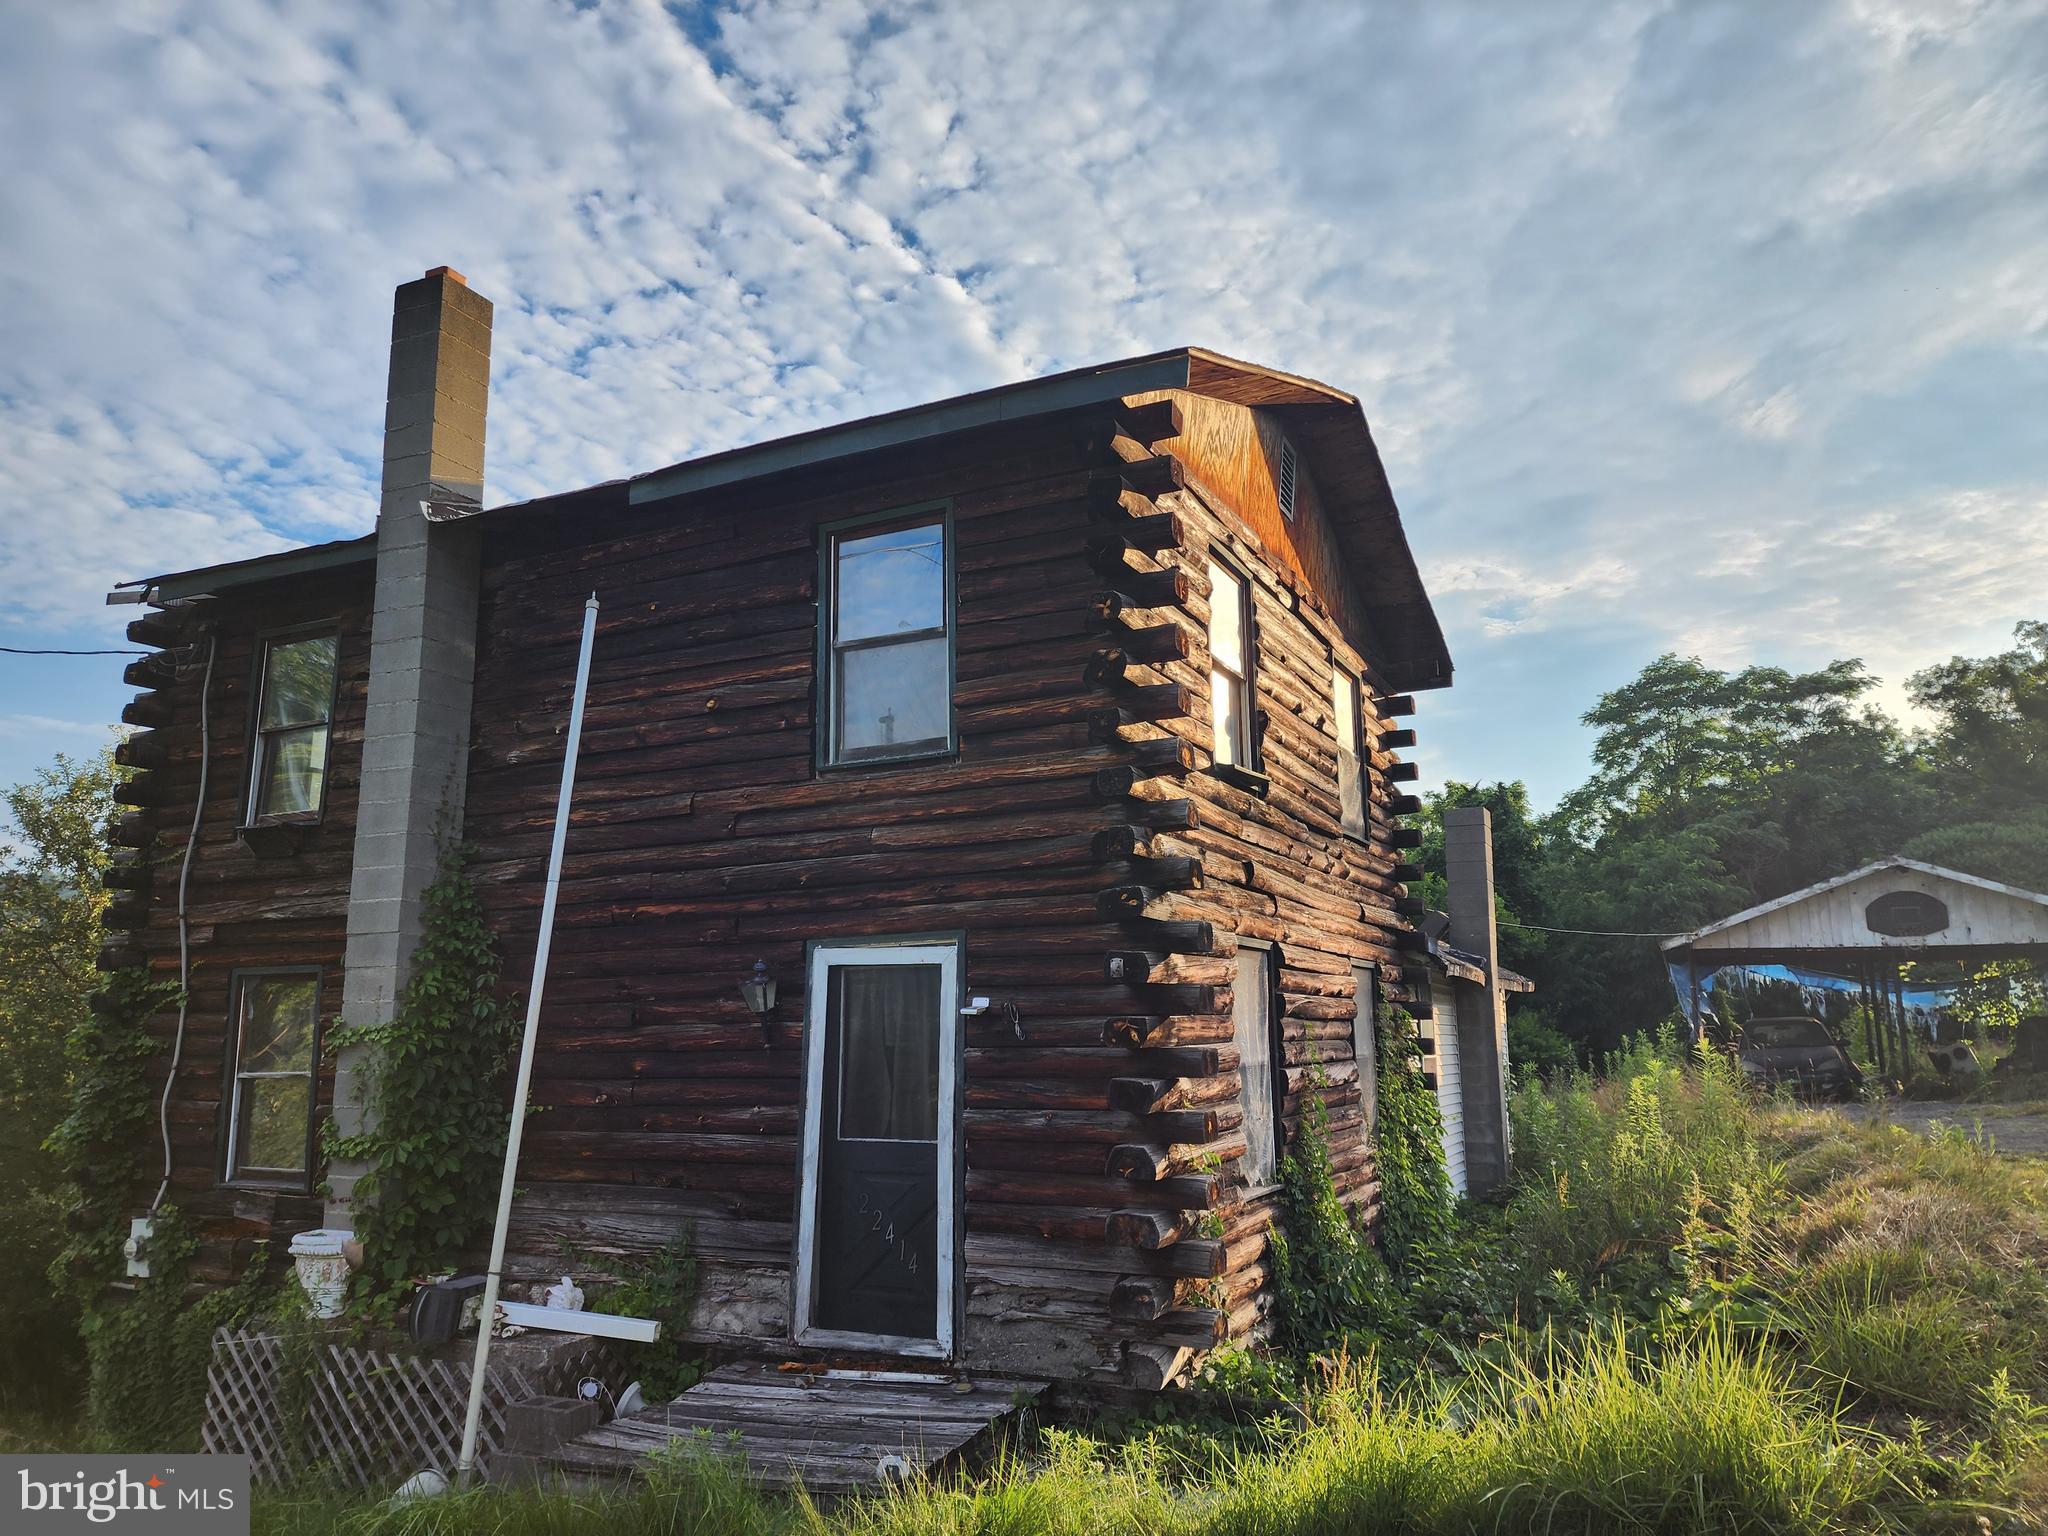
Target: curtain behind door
(888,1052)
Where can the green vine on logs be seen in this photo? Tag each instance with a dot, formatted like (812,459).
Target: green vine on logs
(109,1052)
(147,1344)
(147,1353)
(1415,1188)
(1328,1279)
(434,1095)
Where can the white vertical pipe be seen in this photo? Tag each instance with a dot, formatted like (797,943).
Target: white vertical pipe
(495,1274)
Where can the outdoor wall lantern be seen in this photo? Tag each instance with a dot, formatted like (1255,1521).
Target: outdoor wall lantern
(758,991)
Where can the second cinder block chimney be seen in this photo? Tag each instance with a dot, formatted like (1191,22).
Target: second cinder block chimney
(422,653)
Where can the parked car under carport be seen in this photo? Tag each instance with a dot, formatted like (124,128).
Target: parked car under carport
(1796,1053)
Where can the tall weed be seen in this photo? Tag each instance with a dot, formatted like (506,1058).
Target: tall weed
(1613,1169)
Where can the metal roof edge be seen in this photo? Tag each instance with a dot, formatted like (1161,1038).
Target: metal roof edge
(176,585)
(894,429)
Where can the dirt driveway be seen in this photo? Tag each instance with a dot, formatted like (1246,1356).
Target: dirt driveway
(2018,1130)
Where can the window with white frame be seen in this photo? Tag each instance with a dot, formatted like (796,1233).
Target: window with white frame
(890,678)
(294,716)
(1365,1037)
(273,1046)
(1349,727)
(1258,1091)
(1230,668)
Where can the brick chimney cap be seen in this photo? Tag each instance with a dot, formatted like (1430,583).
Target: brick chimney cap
(448,272)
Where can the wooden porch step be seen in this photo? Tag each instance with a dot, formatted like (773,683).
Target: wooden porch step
(830,1430)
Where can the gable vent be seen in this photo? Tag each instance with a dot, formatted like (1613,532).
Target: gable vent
(1288,474)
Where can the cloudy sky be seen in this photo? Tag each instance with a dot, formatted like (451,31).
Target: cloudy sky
(1717,328)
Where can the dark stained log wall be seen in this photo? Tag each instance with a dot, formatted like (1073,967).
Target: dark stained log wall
(1276,865)
(284,907)
(1101,875)
(704,838)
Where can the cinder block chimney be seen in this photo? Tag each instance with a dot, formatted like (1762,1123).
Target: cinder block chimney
(1482,1012)
(422,654)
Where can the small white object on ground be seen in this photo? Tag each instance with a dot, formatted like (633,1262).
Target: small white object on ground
(421,1485)
(601,1325)
(565,1297)
(630,1401)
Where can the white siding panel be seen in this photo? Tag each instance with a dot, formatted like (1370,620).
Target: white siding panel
(1834,917)
(1450,1097)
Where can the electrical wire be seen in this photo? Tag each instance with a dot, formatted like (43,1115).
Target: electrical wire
(1594,933)
(184,923)
(16,650)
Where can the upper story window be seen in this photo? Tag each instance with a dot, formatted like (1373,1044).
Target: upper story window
(1350,731)
(294,717)
(273,1045)
(888,621)
(1230,668)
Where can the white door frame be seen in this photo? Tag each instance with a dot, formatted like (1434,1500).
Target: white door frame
(945,954)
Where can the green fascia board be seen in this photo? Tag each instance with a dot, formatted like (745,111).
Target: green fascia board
(1009,402)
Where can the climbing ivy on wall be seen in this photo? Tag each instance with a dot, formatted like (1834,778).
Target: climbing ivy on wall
(109,1052)
(1415,1188)
(147,1350)
(434,1090)
(1328,1280)
(147,1344)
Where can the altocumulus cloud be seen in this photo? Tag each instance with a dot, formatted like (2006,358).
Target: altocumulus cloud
(1720,328)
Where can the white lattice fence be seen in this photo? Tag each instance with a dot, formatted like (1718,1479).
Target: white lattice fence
(367,1415)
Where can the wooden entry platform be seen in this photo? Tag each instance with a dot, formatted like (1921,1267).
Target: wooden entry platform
(831,1430)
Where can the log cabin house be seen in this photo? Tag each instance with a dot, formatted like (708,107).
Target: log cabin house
(1042,746)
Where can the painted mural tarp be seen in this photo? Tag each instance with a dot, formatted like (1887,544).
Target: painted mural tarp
(1825,996)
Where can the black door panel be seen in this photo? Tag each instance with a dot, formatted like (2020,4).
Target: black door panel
(877,1266)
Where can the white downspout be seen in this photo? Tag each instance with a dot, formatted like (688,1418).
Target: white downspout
(495,1274)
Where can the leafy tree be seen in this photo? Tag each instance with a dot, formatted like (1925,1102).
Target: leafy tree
(1519,853)
(1990,752)
(1711,791)
(1994,721)
(1682,733)
(1792,777)
(50,904)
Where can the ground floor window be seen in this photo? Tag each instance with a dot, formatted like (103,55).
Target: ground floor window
(273,1046)
(1260,1086)
(1365,1046)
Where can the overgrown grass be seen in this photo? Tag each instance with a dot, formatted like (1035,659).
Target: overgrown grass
(1695,1312)
(1594,1437)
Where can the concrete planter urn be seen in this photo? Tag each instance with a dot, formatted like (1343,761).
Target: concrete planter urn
(323,1268)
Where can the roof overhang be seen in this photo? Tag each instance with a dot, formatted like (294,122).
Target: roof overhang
(1463,965)
(1329,424)
(183,586)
